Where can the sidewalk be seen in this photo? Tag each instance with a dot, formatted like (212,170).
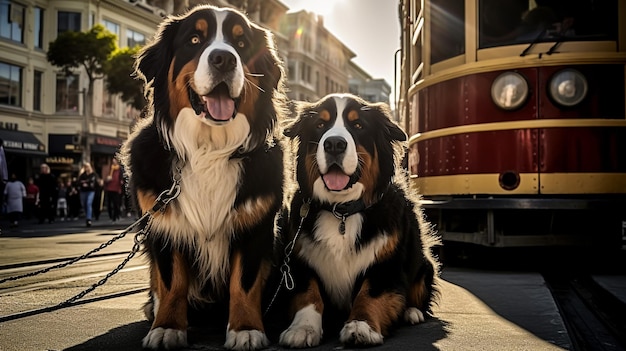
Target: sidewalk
(477,311)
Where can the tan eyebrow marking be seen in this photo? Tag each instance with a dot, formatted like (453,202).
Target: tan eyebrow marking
(325,115)
(237,30)
(202,26)
(353,116)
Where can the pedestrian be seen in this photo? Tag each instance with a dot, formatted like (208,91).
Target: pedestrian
(32,199)
(48,192)
(113,188)
(87,187)
(98,199)
(73,198)
(4,172)
(62,201)
(14,194)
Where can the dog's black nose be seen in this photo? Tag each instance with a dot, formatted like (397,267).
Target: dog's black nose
(222,60)
(335,145)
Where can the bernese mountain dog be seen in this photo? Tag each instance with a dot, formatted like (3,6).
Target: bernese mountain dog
(356,241)
(214,84)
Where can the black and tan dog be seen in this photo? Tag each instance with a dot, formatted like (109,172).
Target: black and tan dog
(361,243)
(216,99)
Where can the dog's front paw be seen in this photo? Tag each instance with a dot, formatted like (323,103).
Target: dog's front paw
(298,336)
(246,340)
(413,315)
(359,333)
(305,330)
(161,338)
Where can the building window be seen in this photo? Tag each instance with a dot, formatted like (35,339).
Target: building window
(38,29)
(11,21)
(108,102)
(37,83)
(134,38)
(10,85)
(447,29)
(67,93)
(112,27)
(68,21)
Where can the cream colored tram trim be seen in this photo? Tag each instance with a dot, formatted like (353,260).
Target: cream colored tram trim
(526,124)
(530,183)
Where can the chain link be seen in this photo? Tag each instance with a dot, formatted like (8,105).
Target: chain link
(285,269)
(160,204)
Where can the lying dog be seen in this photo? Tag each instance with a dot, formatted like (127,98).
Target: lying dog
(360,243)
(216,86)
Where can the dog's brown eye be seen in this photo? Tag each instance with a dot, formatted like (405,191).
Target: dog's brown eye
(320,125)
(195,39)
(357,125)
(241,44)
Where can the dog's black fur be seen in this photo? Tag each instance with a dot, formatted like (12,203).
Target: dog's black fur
(363,247)
(214,83)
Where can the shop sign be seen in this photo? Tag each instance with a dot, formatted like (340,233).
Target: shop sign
(60,159)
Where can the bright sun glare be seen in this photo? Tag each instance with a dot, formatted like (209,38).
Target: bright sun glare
(320,7)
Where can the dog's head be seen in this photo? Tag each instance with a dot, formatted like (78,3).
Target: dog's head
(215,62)
(348,148)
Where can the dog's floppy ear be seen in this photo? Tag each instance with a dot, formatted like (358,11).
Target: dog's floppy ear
(395,132)
(293,129)
(153,59)
(266,59)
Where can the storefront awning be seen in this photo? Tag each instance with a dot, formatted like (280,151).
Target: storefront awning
(24,143)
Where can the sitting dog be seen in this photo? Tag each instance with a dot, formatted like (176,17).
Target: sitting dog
(356,240)
(214,84)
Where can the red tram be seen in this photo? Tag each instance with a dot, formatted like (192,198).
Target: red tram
(516,112)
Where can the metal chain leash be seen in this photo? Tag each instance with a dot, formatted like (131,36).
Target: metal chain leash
(285,269)
(160,204)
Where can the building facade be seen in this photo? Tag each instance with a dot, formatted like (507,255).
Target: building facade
(42,109)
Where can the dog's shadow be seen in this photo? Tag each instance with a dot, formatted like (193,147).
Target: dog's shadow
(207,337)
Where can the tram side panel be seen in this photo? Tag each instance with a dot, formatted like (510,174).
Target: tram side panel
(487,169)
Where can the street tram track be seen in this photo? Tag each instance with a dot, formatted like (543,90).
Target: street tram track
(595,320)
(66,275)
(43,310)
(56,282)
(14,267)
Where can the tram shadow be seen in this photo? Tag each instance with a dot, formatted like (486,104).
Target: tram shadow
(128,338)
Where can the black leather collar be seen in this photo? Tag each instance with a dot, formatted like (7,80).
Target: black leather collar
(343,210)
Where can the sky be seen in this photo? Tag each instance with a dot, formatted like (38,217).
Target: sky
(370,28)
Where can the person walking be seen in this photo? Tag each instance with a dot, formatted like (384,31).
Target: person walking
(4,172)
(14,194)
(113,188)
(62,201)
(73,199)
(48,192)
(98,199)
(87,187)
(32,199)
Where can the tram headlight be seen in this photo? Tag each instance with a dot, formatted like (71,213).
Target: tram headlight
(568,87)
(509,90)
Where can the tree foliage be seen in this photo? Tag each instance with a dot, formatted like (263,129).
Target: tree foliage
(121,79)
(90,49)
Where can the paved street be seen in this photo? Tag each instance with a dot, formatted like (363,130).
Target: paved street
(478,309)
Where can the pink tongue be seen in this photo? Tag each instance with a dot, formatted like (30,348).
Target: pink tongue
(221,107)
(336,180)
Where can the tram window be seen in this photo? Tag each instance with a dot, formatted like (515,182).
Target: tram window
(527,21)
(447,29)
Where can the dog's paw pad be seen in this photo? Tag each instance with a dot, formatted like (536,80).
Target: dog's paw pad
(301,336)
(161,338)
(246,340)
(359,333)
(413,315)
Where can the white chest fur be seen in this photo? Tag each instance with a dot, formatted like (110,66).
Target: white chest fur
(335,257)
(202,214)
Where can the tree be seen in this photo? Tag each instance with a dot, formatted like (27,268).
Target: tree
(119,70)
(90,50)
